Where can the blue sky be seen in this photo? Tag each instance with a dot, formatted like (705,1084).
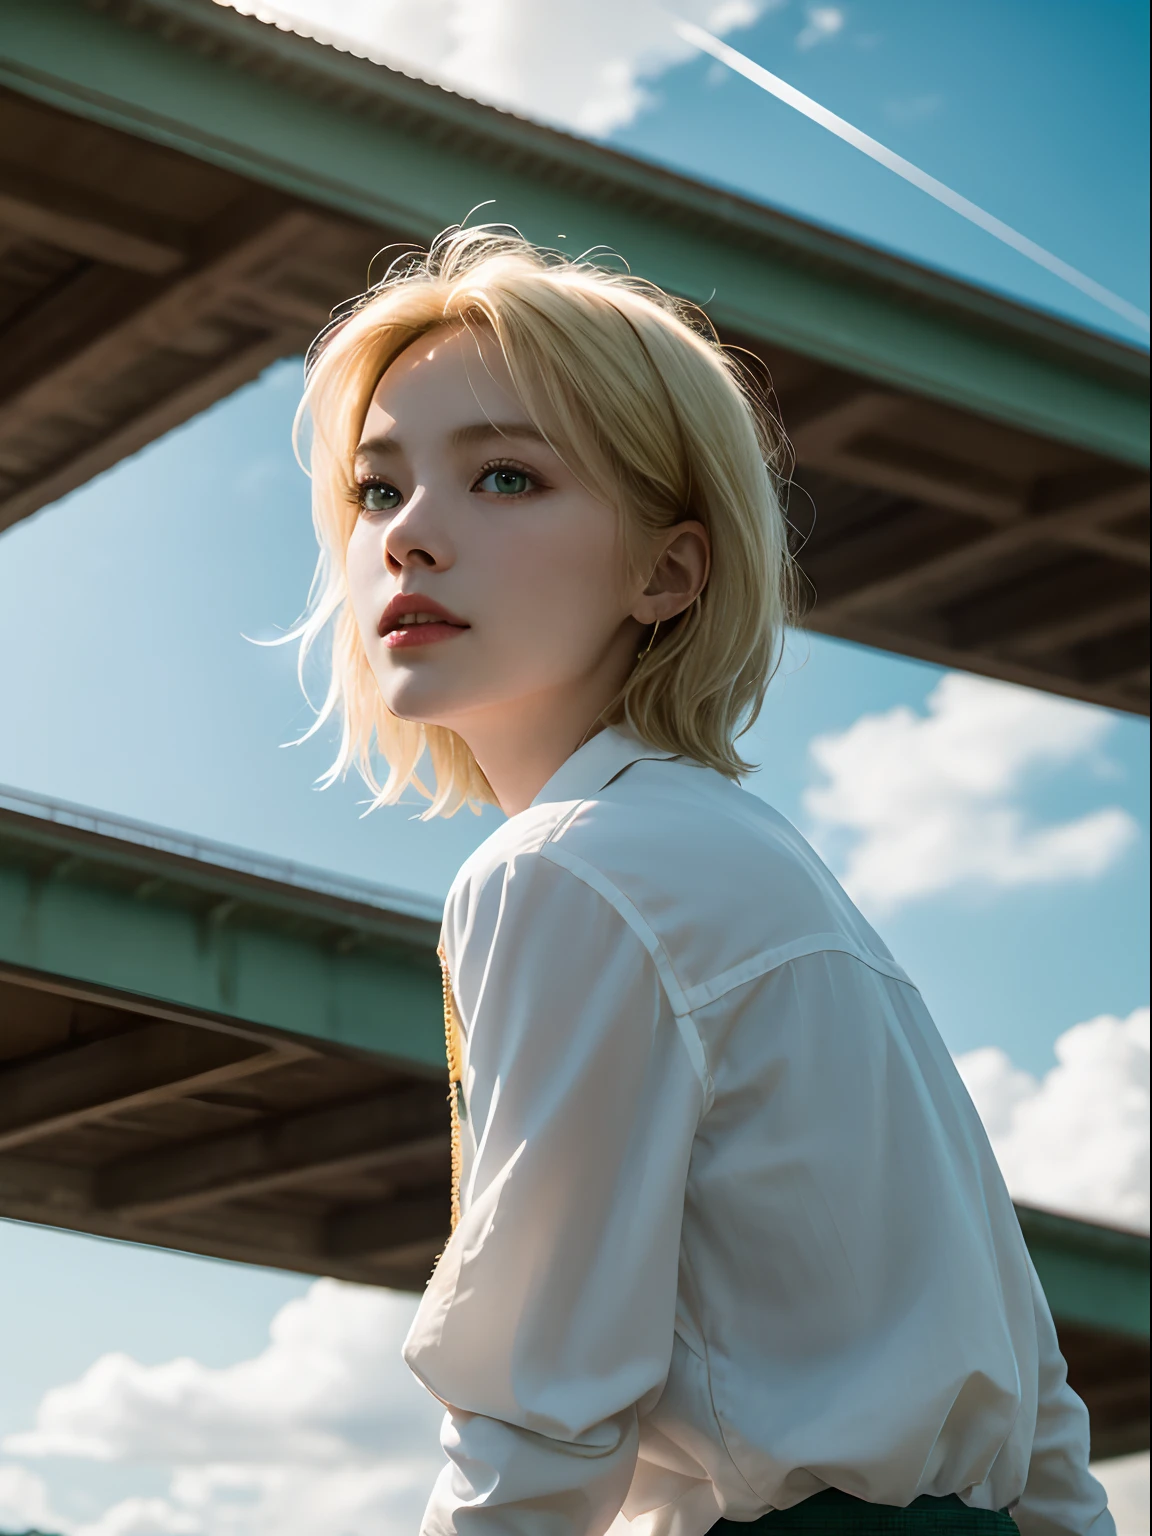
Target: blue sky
(126,683)
(1037,112)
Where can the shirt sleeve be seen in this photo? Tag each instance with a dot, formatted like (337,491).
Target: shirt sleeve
(1061,1497)
(548,1325)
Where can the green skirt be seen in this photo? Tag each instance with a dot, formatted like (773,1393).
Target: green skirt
(834,1512)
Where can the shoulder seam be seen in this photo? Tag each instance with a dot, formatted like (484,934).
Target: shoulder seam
(686,1001)
(597,881)
(783,954)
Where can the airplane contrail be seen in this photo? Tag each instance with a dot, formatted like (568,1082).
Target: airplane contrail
(887,157)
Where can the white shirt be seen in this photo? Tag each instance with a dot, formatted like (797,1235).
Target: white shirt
(732,1231)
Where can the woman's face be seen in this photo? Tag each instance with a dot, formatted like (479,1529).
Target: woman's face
(483,576)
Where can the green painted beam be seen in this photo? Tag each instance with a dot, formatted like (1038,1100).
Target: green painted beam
(1092,1276)
(354,136)
(137,915)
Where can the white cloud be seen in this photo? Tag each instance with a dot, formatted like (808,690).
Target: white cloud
(582,67)
(326,1429)
(327,1385)
(734,13)
(142,1517)
(824,22)
(24,1501)
(1077,1139)
(928,802)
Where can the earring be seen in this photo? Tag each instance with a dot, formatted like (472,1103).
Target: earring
(640,655)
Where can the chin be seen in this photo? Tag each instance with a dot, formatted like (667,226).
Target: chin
(415,701)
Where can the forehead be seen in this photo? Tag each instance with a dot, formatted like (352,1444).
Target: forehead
(446,372)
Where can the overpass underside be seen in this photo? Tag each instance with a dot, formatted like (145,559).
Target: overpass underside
(220,1060)
(138,1123)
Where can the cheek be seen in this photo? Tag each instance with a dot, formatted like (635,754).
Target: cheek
(566,571)
(364,568)
(585,561)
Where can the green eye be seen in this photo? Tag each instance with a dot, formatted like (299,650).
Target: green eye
(378,497)
(505,482)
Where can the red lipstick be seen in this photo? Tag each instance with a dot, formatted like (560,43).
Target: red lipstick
(410,619)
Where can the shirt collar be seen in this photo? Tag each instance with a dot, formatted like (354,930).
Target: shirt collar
(593,766)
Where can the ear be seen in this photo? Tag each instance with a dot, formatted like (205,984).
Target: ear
(678,577)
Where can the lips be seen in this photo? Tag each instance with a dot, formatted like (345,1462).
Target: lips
(410,619)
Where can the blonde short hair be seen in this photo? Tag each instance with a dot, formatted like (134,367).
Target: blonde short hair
(634,392)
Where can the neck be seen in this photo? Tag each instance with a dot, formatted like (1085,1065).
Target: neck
(520,743)
(519,748)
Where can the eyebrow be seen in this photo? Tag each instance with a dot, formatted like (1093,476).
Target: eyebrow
(463,437)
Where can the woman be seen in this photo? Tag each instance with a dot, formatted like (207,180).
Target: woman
(731,1249)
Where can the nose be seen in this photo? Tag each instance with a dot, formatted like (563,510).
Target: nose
(415,537)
